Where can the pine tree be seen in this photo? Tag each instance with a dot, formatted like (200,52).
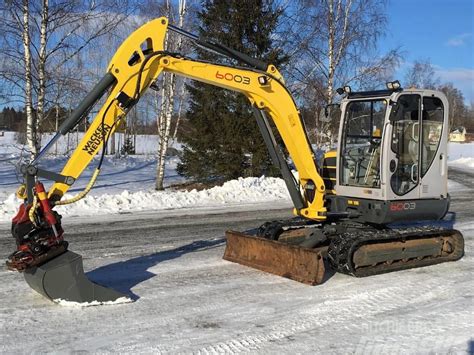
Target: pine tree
(224,141)
(127,147)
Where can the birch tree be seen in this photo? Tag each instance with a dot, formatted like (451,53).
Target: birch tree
(334,43)
(422,75)
(31,128)
(51,35)
(168,92)
(41,71)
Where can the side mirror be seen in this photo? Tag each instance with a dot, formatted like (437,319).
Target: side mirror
(394,113)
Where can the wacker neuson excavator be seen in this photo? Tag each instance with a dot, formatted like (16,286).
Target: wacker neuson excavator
(351,212)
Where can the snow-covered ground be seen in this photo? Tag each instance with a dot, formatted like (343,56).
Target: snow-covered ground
(189,300)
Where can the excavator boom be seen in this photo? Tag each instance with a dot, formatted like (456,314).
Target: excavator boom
(135,67)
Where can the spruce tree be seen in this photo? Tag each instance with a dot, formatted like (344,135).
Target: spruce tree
(224,141)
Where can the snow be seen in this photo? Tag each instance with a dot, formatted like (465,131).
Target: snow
(460,150)
(461,156)
(189,300)
(455,186)
(463,163)
(127,185)
(242,190)
(65,303)
(238,191)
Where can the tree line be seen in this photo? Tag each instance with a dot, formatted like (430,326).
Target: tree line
(423,75)
(14,119)
(55,51)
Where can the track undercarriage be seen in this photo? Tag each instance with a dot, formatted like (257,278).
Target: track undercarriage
(302,251)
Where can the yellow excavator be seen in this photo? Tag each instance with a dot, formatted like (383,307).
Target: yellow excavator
(351,212)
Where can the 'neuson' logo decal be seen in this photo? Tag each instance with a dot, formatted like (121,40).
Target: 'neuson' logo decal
(96,139)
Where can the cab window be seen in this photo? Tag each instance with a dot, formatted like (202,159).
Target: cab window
(431,128)
(360,158)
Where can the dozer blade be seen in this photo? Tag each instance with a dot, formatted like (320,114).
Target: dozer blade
(63,279)
(290,261)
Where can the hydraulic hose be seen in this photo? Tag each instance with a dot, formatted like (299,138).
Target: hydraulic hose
(31,213)
(83,193)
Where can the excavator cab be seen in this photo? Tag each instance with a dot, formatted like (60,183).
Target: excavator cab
(392,161)
(390,167)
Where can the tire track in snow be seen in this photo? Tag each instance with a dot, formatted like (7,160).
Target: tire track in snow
(331,312)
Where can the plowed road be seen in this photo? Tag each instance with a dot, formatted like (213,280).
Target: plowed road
(189,300)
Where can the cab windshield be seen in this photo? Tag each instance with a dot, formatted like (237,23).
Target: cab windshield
(360,158)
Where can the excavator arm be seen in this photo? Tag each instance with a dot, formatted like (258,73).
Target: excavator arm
(138,63)
(42,252)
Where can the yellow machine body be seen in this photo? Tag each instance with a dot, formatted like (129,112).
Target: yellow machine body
(272,96)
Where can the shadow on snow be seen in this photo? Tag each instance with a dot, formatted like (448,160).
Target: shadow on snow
(124,275)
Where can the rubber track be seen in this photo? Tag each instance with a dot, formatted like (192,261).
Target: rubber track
(343,247)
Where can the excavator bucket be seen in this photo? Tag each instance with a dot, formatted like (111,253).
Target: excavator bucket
(294,262)
(63,279)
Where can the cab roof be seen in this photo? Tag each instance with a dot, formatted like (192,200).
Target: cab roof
(373,93)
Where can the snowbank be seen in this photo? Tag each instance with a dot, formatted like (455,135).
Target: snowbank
(460,150)
(461,156)
(463,163)
(240,191)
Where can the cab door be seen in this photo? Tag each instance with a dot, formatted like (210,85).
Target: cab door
(403,153)
(433,147)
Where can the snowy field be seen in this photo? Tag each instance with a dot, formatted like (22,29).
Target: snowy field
(461,155)
(168,258)
(127,184)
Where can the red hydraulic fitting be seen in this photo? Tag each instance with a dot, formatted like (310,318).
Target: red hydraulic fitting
(45,206)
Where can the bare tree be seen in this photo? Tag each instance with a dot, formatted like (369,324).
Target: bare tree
(41,70)
(168,98)
(422,75)
(458,112)
(31,132)
(181,96)
(51,34)
(334,43)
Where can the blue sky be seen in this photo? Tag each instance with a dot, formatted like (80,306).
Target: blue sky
(440,30)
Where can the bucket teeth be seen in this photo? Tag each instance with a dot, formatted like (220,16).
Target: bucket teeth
(294,262)
(63,279)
